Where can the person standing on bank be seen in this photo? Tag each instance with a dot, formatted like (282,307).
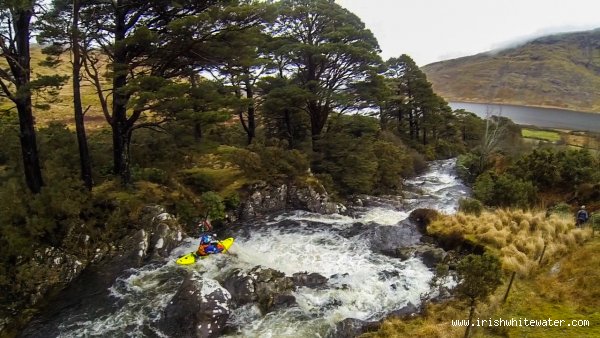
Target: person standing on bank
(582,216)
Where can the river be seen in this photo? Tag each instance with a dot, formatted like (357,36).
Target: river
(362,283)
(534,116)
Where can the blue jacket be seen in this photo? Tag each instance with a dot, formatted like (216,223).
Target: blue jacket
(582,215)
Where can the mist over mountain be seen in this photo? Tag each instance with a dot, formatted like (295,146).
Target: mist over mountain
(560,70)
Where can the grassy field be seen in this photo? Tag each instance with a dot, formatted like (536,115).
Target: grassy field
(544,135)
(61,107)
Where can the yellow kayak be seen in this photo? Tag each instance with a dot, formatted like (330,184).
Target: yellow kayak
(191,257)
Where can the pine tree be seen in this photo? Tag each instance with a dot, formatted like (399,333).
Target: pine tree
(327,49)
(16,83)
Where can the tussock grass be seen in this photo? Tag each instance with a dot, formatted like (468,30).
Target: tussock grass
(566,289)
(518,236)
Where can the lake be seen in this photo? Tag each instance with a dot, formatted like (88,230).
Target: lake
(534,116)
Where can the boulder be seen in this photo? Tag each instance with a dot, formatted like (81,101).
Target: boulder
(407,311)
(351,327)
(49,268)
(164,232)
(309,280)
(268,288)
(263,198)
(200,308)
(242,288)
(386,239)
(422,218)
(431,256)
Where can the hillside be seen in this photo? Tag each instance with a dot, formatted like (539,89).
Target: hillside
(60,107)
(555,71)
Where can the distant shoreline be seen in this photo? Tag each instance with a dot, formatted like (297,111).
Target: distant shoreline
(515,104)
(541,117)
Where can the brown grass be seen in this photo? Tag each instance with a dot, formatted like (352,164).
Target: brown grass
(517,236)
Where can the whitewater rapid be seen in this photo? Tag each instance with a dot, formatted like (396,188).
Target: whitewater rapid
(362,283)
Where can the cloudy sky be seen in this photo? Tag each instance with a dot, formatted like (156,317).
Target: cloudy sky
(434,30)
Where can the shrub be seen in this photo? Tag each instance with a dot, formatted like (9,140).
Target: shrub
(392,163)
(269,163)
(153,175)
(470,206)
(212,206)
(504,190)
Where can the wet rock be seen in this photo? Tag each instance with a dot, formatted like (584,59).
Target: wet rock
(86,282)
(269,289)
(386,239)
(270,286)
(164,232)
(49,268)
(404,253)
(241,287)
(312,280)
(200,308)
(407,311)
(264,199)
(352,327)
(422,218)
(431,256)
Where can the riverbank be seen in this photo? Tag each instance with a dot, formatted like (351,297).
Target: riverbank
(563,287)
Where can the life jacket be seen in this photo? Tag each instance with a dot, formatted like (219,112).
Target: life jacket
(582,215)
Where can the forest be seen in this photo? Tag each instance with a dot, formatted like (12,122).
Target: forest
(187,103)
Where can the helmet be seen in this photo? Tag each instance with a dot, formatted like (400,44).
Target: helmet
(205,239)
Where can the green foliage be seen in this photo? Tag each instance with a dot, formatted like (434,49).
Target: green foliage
(203,179)
(409,106)
(470,206)
(470,165)
(479,276)
(212,206)
(282,110)
(561,208)
(270,163)
(552,169)
(357,158)
(29,221)
(393,163)
(348,155)
(335,39)
(154,175)
(504,190)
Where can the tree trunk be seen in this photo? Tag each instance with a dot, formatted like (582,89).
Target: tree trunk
(21,71)
(542,254)
(197,131)
(411,124)
(251,130)
(512,278)
(287,119)
(84,156)
(120,125)
(318,118)
(471,314)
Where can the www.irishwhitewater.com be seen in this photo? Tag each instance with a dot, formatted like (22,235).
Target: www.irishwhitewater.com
(516,322)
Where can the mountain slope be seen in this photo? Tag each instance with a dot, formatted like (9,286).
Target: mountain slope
(556,71)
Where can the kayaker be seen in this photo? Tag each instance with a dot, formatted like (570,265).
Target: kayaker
(208,242)
(209,245)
